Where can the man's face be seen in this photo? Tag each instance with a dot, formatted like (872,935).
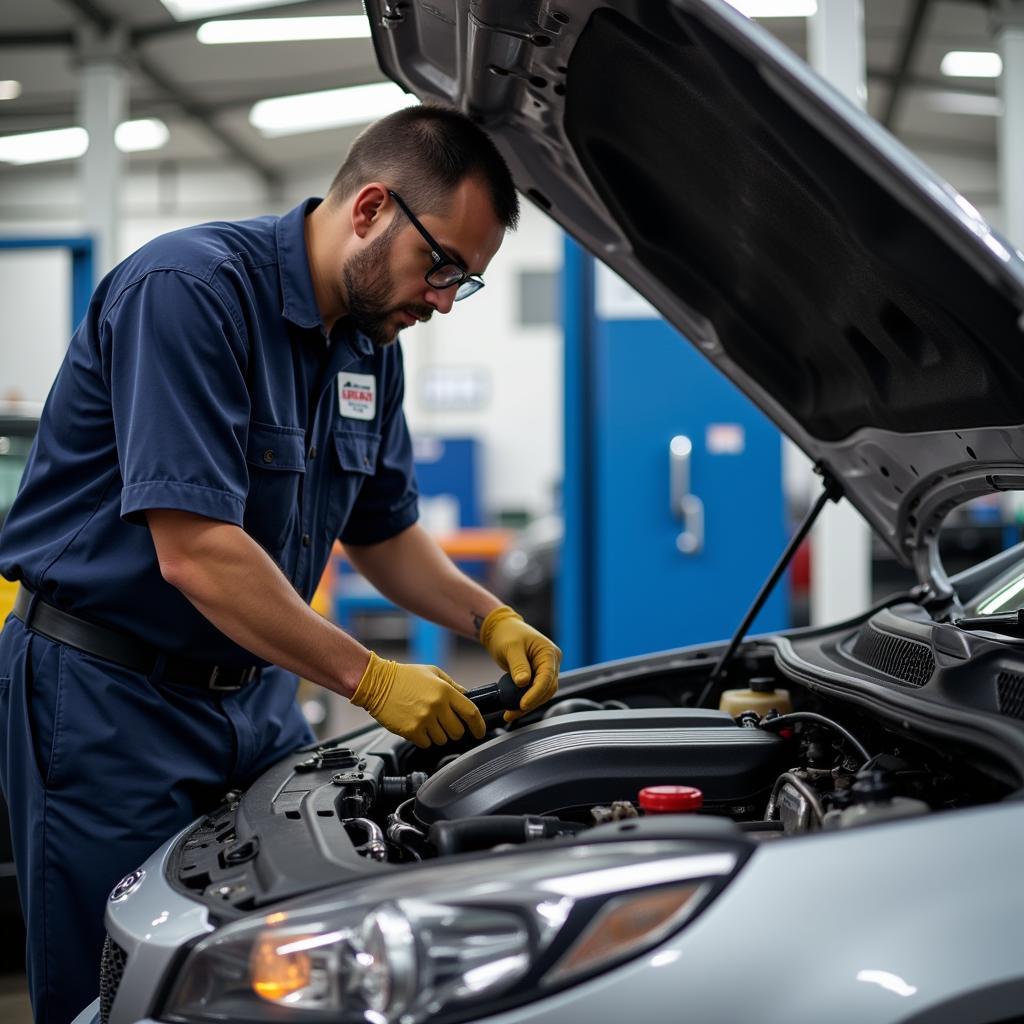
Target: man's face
(384,282)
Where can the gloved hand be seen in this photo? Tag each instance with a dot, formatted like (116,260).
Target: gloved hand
(419,702)
(526,654)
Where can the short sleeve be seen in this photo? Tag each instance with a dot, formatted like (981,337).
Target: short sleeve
(388,502)
(175,361)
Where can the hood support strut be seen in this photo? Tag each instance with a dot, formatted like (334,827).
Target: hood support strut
(832,490)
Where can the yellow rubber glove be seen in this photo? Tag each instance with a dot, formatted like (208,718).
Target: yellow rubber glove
(419,702)
(528,656)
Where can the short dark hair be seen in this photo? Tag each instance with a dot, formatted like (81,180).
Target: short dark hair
(423,153)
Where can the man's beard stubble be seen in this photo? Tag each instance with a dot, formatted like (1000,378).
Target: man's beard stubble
(369,287)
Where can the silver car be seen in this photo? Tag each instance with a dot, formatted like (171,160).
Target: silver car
(845,841)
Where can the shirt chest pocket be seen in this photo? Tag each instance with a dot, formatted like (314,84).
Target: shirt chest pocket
(357,460)
(277,461)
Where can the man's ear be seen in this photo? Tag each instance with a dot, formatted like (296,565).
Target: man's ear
(367,207)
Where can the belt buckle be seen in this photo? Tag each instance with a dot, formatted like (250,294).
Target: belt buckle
(245,678)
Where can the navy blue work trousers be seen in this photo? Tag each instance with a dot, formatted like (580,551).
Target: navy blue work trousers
(99,766)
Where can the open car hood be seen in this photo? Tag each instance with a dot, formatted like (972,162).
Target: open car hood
(855,297)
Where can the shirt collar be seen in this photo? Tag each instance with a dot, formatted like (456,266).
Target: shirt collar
(297,282)
(293,265)
(357,342)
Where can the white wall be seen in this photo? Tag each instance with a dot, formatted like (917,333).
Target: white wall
(520,428)
(35,321)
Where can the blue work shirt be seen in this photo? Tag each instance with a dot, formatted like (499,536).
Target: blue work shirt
(201,379)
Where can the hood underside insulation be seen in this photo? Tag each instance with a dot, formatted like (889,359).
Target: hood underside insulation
(819,285)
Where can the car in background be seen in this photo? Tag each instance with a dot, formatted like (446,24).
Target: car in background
(524,575)
(814,825)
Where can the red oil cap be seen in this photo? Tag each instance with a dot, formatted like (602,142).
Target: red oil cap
(670,799)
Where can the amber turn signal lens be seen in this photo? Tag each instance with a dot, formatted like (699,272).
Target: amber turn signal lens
(623,926)
(277,974)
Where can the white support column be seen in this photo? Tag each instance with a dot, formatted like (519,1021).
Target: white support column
(841,553)
(835,46)
(103,105)
(1010,40)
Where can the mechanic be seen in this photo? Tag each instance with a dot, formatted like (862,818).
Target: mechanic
(232,404)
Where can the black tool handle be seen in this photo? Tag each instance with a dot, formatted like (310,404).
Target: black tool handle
(491,698)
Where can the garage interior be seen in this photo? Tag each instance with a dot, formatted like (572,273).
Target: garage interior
(121,120)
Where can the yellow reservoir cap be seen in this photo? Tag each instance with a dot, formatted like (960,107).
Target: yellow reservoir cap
(761,697)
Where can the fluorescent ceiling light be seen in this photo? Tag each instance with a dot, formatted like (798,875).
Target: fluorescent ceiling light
(775,8)
(41,147)
(71,143)
(333,108)
(972,64)
(279,30)
(966,103)
(183,10)
(9,89)
(138,136)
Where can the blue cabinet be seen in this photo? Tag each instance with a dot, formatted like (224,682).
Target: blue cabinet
(673,494)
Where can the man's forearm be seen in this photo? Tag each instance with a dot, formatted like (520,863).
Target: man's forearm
(234,583)
(415,573)
(412,570)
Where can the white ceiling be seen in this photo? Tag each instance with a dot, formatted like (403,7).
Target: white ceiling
(211,88)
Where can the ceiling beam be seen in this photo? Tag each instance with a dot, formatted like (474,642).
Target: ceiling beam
(25,40)
(193,107)
(912,35)
(167,27)
(954,147)
(932,84)
(92,14)
(201,113)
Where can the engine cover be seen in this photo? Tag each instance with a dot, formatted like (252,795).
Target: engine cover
(595,757)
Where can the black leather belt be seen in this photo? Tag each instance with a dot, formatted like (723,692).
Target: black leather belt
(124,650)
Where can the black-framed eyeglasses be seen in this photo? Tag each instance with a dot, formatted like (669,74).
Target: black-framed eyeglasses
(445,272)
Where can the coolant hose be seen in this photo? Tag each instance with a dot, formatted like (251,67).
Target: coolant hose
(484,832)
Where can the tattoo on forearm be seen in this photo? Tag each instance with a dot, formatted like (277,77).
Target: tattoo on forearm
(478,621)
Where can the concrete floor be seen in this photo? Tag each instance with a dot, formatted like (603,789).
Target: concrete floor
(14,1004)
(468,664)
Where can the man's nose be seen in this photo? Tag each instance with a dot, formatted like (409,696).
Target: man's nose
(441,299)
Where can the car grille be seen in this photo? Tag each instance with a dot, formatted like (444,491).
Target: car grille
(111,971)
(907,660)
(1010,687)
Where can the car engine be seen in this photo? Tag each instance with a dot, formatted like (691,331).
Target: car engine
(618,743)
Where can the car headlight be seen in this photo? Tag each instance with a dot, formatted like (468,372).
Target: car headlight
(431,941)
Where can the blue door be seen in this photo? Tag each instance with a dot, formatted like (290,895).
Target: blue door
(673,489)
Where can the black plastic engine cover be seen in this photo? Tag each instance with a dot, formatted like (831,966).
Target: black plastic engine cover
(595,757)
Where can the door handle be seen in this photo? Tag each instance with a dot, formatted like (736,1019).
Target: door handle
(685,506)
